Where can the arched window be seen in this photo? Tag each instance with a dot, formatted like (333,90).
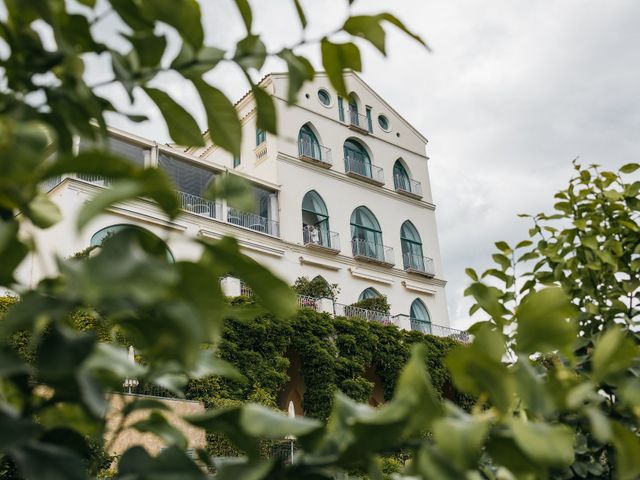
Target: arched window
(315,220)
(356,158)
(369,293)
(308,145)
(353,104)
(366,235)
(153,243)
(419,316)
(401,177)
(412,256)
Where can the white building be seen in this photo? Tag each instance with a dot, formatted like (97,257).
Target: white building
(342,192)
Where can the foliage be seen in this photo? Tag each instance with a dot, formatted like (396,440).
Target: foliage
(317,287)
(378,303)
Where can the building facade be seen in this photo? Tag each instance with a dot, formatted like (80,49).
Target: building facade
(342,192)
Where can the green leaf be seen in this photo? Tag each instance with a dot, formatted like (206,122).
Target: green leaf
(94,162)
(144,404)
(236,468)
(337,57)
(300,71)
(547,445)
(151,183)
(471,273)
(504,247)
(502,260)
(630,167)
(114,359)
(461,439)
(208,364)
(183,15)
(524,243)
(301,16)
(171,463)
(369,27)
(614,353)
(266,110)
(245,12)
(600,425)
(251,52)
(546,322)
(148,47)
(193,64)
(489,300)
(47,461)
(43,212)
(235,190)
(157,424)
(627,447)
(12,250)
(131,14)
(224,126)
(182,127)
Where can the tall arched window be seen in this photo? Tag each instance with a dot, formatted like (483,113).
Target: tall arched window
(412,256)
(153,243)
(366,235)
(315,220)
(308,145)
(353,104)
(401,177)
(419,316)
(356,158)
(369,293)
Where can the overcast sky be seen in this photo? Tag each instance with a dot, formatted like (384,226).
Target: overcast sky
(513,91)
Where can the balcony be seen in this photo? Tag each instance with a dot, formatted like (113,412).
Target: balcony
(348,311)
(363,170)
(372,252)
(199,206)
(313,153)
(439,331)
(305,301)
(253,221)
(418,264)
(50,183)
(358,122)
(407,186)
(314,237)
(95,179)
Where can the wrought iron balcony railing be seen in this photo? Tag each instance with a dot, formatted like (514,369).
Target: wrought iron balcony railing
(348,311)
(314,236)
(199,205)
(49,183)
(407,186)
(314,153)
(439,331)
(418,264)
(358,121)
(95,179)
(364,170)
(373,252)
(305,301)
(253,221)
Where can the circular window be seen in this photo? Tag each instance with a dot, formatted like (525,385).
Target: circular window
(383,122)
(324,97)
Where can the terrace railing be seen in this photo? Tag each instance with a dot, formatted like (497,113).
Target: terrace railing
(95,179)
(418,264)
(193,203)
(364,169)
(312,235)
(403,184)
(349,311)
(253,221)
(359,121)
(370,251)
(439,331)
(312,151)
(305,301)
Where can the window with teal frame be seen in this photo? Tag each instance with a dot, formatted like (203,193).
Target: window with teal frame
(340,109)
(261,136)
(236,160)
(368,293)
(369,122)
(357,158)
(401,179)
(154,243)
(419,317)
(315,220)
(366,235)
(411,243)
(308,145)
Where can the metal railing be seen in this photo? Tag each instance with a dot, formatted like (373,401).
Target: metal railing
(358,120)
(245,290)
(314,151)
(153,390)
(253,221)
(313,235)
(95,179)
(439,331)
(349,311)
(418,263)
(408,185)
(49,183)
(199,205)
(372,251)
(305,301)
(364,169)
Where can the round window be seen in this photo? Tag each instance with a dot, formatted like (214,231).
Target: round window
(324,97)
(383,122)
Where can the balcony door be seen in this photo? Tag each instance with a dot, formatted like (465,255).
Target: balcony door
(411,243)
(357,158)
(401,177)
(366,235)
(315,220)
(308,145)
(419,316)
